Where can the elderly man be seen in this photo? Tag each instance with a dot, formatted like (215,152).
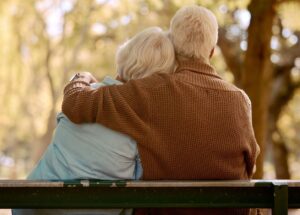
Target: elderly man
(188,125)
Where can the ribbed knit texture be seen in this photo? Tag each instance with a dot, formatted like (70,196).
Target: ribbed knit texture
(188,125)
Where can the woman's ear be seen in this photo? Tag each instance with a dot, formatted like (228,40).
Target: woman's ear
(212,52)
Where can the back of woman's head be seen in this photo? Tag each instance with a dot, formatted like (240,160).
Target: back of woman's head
(148,52)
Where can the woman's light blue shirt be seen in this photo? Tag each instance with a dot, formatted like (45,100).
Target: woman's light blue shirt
(87,151)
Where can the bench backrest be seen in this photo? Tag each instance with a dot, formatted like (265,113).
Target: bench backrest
(276,194)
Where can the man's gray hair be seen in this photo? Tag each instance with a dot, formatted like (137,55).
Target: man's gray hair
(194,32)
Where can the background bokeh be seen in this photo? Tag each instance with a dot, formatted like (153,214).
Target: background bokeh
(43,42)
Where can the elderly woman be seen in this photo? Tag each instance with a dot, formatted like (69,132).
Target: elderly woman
(93,151)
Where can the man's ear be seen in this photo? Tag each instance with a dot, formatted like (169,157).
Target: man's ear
(212,52)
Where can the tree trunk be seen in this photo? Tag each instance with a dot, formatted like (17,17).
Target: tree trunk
(44,141)
(280,154)
(257,72)
(279,150)
(283,87)
(283,91)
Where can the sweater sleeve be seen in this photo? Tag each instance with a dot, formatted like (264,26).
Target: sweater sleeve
(119,107)
(252,147)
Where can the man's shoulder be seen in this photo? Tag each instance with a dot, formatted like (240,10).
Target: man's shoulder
(206,81)
(233,87)
(154,81)
(246,97)
(242,94)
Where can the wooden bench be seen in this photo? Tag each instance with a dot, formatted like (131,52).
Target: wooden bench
(276,194)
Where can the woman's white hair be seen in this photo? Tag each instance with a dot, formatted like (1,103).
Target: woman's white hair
(194,32)
(148,52)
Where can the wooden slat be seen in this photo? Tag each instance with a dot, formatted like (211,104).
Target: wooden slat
(28,183)
(131,194)
(86,183)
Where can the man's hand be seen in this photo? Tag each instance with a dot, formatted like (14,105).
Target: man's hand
(84,76)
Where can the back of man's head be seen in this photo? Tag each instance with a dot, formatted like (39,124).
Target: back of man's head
(194,32)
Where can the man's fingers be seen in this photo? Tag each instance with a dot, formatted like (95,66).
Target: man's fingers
(86,76)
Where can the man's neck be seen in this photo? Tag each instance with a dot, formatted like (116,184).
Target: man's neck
(181,58)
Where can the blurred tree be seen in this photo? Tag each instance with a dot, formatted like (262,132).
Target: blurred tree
(257,81)
(267,81)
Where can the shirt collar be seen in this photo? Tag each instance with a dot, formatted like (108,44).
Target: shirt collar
(197,66)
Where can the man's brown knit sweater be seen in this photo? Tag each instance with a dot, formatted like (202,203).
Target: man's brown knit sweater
(188,125)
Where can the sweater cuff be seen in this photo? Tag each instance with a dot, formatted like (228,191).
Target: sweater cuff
(74,86)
